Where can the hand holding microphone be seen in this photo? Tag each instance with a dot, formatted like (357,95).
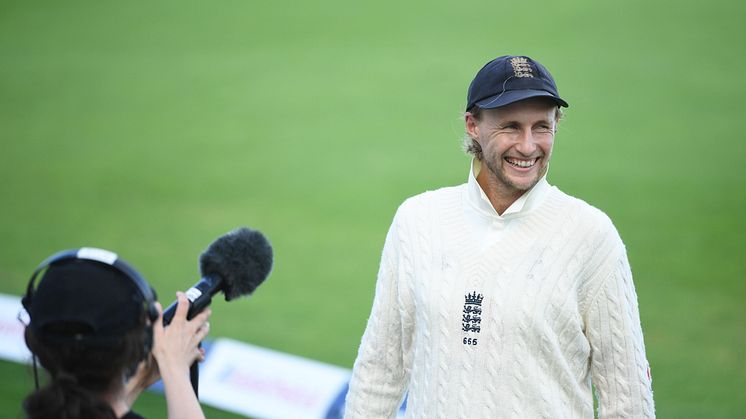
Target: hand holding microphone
(176,347)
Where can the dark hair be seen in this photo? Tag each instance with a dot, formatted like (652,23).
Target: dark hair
(81,374)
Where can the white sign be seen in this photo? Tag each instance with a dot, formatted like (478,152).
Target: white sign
(263,383)
(12,345)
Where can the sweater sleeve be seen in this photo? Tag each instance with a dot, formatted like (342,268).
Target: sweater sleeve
(619,368)
(380,376)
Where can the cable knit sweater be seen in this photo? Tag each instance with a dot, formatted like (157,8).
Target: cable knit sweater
(479,315)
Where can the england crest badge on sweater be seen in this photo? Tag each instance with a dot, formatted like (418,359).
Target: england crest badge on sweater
(471,320)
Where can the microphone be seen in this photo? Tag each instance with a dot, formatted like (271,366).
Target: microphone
(234,264)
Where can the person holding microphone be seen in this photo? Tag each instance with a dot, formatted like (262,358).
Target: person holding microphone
(97,329)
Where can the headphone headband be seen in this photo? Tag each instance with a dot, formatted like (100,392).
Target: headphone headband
(108,258)
(102,256)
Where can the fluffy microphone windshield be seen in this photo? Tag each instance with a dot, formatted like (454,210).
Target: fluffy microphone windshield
(241,258)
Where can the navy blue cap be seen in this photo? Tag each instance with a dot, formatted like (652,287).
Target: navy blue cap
(508,79)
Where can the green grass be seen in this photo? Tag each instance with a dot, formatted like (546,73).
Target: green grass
(151,128)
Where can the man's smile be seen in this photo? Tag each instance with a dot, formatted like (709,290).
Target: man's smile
(521,163)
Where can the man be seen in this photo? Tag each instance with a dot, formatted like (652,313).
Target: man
(503,297)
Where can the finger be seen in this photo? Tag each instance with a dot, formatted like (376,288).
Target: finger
(201,318)
(182,306)
(198,356)
(202,332)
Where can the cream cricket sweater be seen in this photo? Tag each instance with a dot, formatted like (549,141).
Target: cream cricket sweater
(478,315)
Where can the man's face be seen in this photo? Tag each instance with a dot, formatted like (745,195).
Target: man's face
(516,142)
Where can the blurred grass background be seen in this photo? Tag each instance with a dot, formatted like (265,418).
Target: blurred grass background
(151,128)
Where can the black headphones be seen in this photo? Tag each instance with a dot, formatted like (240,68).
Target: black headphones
(108,258)
(102,256)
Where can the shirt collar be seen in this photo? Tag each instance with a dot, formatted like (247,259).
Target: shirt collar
(478,200)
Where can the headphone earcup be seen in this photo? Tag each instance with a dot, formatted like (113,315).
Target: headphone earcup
(152,313)
(150,301)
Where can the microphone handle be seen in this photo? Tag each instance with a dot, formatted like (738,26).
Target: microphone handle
(194,375)
(199,296)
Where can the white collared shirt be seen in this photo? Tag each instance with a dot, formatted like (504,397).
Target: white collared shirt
(487,227)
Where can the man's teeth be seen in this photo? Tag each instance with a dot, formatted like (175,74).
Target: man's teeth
(522,163)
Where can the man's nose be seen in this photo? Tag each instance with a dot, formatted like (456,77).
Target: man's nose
(526,143)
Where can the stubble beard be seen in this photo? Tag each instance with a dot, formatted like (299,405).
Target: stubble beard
(506,185)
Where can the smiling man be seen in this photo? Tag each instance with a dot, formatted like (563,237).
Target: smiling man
(503,297)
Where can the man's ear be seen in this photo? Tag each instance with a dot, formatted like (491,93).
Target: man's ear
(472,128)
